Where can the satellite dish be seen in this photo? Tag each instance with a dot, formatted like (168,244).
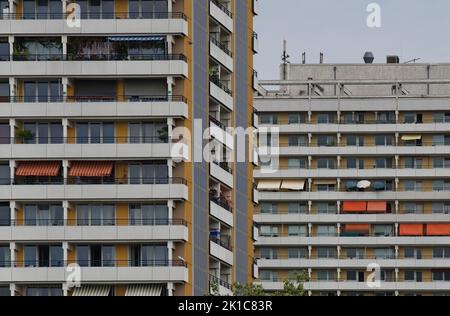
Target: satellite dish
(364,184)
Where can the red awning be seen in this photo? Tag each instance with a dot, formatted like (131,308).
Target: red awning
(438,229)
(357,228)
(377,207)
(354,207)
(411,229)
(38,169)
(91,169)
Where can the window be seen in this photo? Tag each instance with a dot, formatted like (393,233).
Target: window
(297,253)
(326,253)
(357,276)
(297,118)
(43,256)
(441,185)
(42,91)
(355,253)
(5,214)
(327,208)
(413,253)
(441,276)
(148,214)
(383,230)
(354,163)
(413,276)
(95,133)
(95,255)
(42,9)
(384,140)
(269,208)
(44,291)
(353,118)
(326,163)
(96,215)
(148,133)
(441,253)
(268,276)
(297,163)
(269,253)
(43,133)
(297,231)
(413,208)
(384,253)
(413,118)
(411,186)
(4,291)
(326,140)
(148,173)
(149,255)
(297,208)
(441,117)
(96,9)
(355,140)
(4,56)
(386,117)
(147,8)
(268,231)
(5,256)
(268,119)
(326,275)
(326,118)
(298,141)
(43,215)
(441,207)
(383,163)
(5,174)
(441,162)
(326,230)
(413,163)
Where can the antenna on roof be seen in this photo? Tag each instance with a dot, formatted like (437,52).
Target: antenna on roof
(412,61)
(285,59)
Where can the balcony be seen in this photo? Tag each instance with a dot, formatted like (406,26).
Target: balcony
(163,271)
(221,53)
(116,23)
(221,250)
(224,288)
(115,229)
(255,43)
(221,210)
(95,106)
(92,65)
(219,90)
(221,14)
(74,148)
(222,172)
(54,188)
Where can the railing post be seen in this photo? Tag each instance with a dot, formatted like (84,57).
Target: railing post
(13,208)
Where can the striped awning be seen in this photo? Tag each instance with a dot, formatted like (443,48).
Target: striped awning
(91,169)
(92,290)
(38,169)
(144,290)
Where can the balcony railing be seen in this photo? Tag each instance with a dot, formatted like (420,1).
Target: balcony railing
(94,99)
(218,123)
(220,242)
(85,140)
(222,7)
(92,57)
(95,16)
(93,222)
(222,46)
(92,263)
(91,181)
(222,84)
(215,280)
(224,165)
(334,143)
(225,204)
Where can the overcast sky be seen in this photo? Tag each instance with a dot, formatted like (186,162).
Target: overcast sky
(338,28)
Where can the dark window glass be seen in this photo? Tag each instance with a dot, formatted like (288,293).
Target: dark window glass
(5,214)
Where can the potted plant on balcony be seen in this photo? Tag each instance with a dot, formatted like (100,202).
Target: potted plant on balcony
(23,135)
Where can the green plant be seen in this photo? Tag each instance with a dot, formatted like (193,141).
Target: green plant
(24,134)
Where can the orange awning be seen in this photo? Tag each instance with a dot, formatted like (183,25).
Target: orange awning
(357,228)
(91,169)
(377,207)
(438,229)
(38,169)
(411,229)
(354,207)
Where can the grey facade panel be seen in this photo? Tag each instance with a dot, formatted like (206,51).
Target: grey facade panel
(200,169)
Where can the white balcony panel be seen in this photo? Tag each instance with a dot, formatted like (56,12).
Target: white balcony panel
(88,151)
(218,54)
(221,174)
(362,286)
(176,68)
(221,214)
(352,241)
(221,96)
(255,196)
(221,135)
(94,192)
(352,263)
(220,16)
(349,218)
(94,109)
(224,291)
(221,253)
(255,271)
(95,27)
(94,233)
(96,274)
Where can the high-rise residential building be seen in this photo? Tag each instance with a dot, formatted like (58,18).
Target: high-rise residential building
(354,178)
(103,181)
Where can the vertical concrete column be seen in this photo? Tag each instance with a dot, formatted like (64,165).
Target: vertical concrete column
(65,211)
(338,226)
(170,286)
(65,124)
(396,251)
(12,170)
(309,229)
(170,207)
(397,161)
(338,252)
(12,87)
(11,6)
(65,170)
(309,252)
(64,6)
(170,43)
(338,274)
(11,45)
(65,246)
(310,162)
(13,209)
(339,206)
(396,229)
(12,289)
(12,129)
(397,207)
(170,125)
(339,136)
(309,207)
(339,160)
(169,6)
(309,185)
(338,182)
(64,43)
(170,168)
(396,274)
(65,84)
